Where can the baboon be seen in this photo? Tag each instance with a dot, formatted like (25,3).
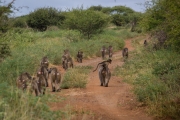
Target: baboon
(22,80)
(45,62)
(110,51)
(42,77)
(145,43)
(125,53)
(33,86)
(104,72)
(103,52)
(67,61)
(55,77)
(79,56)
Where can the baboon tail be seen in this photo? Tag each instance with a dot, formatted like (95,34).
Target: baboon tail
(96,68)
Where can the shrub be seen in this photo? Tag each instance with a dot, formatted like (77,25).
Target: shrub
(76,77)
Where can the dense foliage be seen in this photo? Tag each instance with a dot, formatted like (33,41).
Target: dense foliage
(41,18)
(163,15)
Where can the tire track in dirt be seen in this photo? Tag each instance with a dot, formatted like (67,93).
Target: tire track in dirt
(115,102)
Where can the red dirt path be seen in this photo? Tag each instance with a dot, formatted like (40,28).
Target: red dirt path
(115,102)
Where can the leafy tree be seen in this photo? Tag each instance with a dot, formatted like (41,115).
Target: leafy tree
(162,16)
(87,22)
(4,26)
(4,12)
(96,8)
(43,17)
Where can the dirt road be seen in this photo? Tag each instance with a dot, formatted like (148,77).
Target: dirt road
(95,102)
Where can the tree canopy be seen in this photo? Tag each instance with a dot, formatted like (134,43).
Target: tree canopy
(87,22)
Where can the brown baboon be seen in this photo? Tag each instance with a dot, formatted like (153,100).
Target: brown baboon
(33,86)
(103,52)
(22,80)
(145,43)
(67,61)
(79,56)
(125,53)
(55,77)
(104,72)
(110,51)
(42,77)
(45,62)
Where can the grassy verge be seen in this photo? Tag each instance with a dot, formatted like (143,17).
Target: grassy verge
(156,80)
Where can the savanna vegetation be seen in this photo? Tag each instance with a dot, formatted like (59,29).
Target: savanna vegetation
(154,72)
(154,69)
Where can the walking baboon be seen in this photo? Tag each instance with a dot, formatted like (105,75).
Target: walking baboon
(42,77)
(55,77)
(79,56)
(110,51)
(125,53)
(22,80)
(67,61)
(103,52)
(33,86)
(104,72)
(45,62)
(145,43)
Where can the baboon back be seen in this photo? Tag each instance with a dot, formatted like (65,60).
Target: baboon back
(125,52)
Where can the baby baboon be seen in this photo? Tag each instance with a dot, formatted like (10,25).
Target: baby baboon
(45,62)
(145,43)
(42,77)
(22,80)
(125,53)
(55,77)
(110,51)
(103,52)
(79,56)
(104,72)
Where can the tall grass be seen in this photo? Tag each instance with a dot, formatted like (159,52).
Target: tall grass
(156,80)
(76,77)
(28,47)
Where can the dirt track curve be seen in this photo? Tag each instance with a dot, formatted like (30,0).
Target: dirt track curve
(115,102)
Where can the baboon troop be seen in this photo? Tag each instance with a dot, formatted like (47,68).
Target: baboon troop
(79,56)
(125,53)
(38,83)
(55,77)
(104,72)
(103,52)
(67,61)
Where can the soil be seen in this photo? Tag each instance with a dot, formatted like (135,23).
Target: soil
(95,102)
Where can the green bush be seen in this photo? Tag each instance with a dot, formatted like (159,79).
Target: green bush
(76,77)
(41,18)
(21,23)
(87,22)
